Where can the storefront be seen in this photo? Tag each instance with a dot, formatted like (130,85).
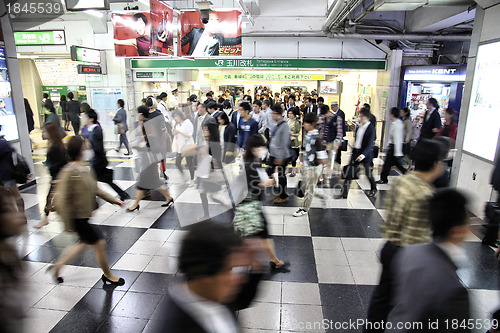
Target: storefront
(349,82)
(442,82)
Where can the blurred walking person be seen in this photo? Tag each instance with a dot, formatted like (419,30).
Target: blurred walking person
(74,112)
(75,201)
(65,113)
(295,127)
(227,132)
(150,148)
(183,131)
(395,153)
(120,120)
(279,152)
(56,160)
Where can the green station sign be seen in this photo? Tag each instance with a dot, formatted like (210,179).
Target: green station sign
(55,37)
(260,63)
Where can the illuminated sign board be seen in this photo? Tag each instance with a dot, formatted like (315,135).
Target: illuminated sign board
(85,54)
(87,69)
(55,37)
(448,73)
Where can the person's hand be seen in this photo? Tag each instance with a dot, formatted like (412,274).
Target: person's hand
(119,203)
(336,146)
(267,183)
(497,254)
(360,158)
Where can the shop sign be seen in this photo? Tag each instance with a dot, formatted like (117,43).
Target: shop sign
(88,69)
(291,76)
(55,37)
(450,73)
(260,63)
(150,76)
(85,54)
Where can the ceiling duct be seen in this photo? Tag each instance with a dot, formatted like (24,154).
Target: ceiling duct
(398,5)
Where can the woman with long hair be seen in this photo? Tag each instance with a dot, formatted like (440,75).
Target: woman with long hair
(56,160)
(183,131)
(250,209)
(75,201)
(150,154)
(450,126)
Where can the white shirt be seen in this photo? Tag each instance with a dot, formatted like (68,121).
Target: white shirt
(360,134)
(211,316)
(203,46)
(429,113)
(162,106)
(396,134)
(187,128)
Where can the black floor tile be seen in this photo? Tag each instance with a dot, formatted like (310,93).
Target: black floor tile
(154,326)
(123,174)
(338,315)
(379,199)
(100,301)
(365,294)
(153,283)
(122,324)
(63,240)
(137,305)
(120,245)
(321,229)
(297,272)
(89,260)
(79,321)
(293,242)
(159,314)
(129,233)
(48,254)
(166,224)
(339,294)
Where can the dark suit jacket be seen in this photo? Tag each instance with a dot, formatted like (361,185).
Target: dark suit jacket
(73,110)
(427,126)
(175,320)
(428,288)
(235,119)
(366,145)
(121,118)
(194,36)
(314,109)
(96,138)
(373,121)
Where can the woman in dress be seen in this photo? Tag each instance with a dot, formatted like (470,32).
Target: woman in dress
(75,201)
(56,160)
(183,131)
(150,154)
(250,209)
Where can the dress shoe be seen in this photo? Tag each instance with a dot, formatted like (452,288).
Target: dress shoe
(128,210)
(382,181)
(120,281)
(372,193)
(281,200)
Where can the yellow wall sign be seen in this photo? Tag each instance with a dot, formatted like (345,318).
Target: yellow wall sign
(291,76)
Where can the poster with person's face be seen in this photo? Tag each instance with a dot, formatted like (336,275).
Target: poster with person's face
(220,36)
(162,28)
(132,33)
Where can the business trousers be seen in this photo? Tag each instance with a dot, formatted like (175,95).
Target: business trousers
(367,165)
(390,161)
(380,304)
(124,141)
(310,178)
(280,169)
(492,227)
(76,126)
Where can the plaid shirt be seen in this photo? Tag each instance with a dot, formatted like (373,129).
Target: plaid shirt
(407,219)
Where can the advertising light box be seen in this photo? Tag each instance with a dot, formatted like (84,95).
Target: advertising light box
(7,115)
(483,119)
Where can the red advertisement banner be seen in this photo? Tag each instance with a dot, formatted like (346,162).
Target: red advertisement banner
(162,28)
(220,36)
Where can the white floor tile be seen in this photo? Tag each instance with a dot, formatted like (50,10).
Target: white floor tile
(275,229)
(366,275)
(118,220)
(300,293)
(42,320)
(177,236)
(274,219)
(269,292)
(261,316)
(141,221)
(156,235)
(332,258)
(35,292)
(297,230)
(327,243)
(165,265)
(133,262)
(169,249)
(334,274)
(145,247)
(298,318)
(362,258)
(62,297)
(356,244)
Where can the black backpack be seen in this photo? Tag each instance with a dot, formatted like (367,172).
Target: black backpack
(21,168)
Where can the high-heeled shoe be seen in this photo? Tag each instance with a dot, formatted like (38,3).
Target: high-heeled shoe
(120,281)
(279,267)
(128,210)
(168,204)
(57,279)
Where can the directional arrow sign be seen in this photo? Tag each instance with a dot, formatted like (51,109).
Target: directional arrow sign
(37,37)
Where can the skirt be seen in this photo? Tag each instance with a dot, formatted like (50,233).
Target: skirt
(87,233)
(65,116)
(149,178)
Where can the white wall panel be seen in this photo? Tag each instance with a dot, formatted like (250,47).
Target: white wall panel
(491,29)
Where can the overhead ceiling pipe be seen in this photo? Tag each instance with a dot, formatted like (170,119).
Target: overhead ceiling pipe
(401,36)
(336,9)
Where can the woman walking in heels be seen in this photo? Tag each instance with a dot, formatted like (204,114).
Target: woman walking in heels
(150,154)
(75,201)
(249,219)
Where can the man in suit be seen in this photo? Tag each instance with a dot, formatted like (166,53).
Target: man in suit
(74,112)
(202,119)
(432,120)
(120,120)
(310,107)
(205,42)
(491,235)
(361,154)
(222,274)
(214,110)
(373,119)
(339,113)
(427,288)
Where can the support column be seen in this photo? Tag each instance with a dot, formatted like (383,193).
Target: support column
(394,66)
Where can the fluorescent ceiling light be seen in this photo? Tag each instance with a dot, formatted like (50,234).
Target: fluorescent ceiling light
(398,5)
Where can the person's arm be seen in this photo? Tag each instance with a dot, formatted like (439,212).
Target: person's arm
(398,140)
(126,42)
(453,132)
(117,118)
(64,197)
(369,147)
(437,121)
(228,41)
(254,128)
(263,122)
(188,38)
(97,141)
(340,129)
(321,153)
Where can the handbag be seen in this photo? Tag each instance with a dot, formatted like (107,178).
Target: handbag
(376,149)
(120,128)
(343,145)
(189,150)
(354,168)
(248,219)
(21,168)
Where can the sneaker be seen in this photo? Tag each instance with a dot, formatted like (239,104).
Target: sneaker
(299,212)
(281,200)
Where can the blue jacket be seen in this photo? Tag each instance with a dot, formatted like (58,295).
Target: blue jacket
(245,130)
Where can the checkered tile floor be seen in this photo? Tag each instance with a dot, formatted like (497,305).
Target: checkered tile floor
(333,252)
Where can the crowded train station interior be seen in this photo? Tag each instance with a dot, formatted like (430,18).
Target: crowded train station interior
(249,166)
